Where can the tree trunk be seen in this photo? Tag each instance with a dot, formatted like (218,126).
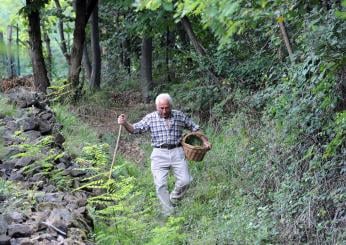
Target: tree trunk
(41,81)
(193,39)
(83,12)
(63,45)
(197,45)
(86,62)
(2,54)
(126,55)
(49,55)
(146,67)
(170,42)
(95,79)
(17,43)
(11,67)
(285,37)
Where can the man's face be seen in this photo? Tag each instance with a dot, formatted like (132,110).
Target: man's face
(164,108)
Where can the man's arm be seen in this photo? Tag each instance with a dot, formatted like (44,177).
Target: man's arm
(122,120)
(205,140)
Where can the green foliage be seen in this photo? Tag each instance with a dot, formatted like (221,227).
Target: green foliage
(275,174)
(94,155)
(10,13)
(342,13)
(60,91)
(6,188)
(170,233)
(339,135)
(123,208)
(3,150)
(75,132)
(44,161)
(33,6)
(6,108)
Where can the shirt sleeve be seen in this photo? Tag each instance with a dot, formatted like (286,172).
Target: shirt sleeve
(142,126)
(189,124)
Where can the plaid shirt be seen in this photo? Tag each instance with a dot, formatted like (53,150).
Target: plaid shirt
(165,131)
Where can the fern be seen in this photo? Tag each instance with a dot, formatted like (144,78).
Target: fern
(119,205)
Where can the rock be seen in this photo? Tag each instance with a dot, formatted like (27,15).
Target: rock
(10,139)
(25,98)
(50,188)
(16,175)
(37,177)
(50,197)
(11,151)
(15,217)
(5,240)
(57,127)
(61,166)
(66,159)
(10,124)
(27,124)
(58,139)
(76,234)
(22,241)
(39,216)
(3,225)
(24,161)
(8,164)
(46,115)
(44,127)
(77,172)
(54,217)
(20,230)
(61,217)
(32,135)
(80,198)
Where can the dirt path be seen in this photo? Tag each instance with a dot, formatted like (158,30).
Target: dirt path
(104,121)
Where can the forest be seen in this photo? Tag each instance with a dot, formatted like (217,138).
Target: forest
(264,79)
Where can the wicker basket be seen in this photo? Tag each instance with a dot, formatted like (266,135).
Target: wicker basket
(193,151)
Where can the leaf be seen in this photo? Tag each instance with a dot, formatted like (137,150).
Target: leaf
(168,6)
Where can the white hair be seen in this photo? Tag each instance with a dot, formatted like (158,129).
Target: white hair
(164,96)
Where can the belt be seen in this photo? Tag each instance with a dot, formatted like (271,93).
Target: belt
(168,146)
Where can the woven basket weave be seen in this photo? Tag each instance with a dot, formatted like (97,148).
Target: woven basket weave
(193,152)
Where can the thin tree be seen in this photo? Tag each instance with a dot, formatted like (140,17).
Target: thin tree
(126,60)
(2,53)
(32,11)
(83,12)
(11,67)
(63,42)
(197,44)
(86,62)
(146,67)
(95,79)
(17,44)
(170,42)
(49,55)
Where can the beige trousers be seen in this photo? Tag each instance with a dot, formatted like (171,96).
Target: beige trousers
(162,160)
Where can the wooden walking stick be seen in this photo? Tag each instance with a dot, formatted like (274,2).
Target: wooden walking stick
(115,152)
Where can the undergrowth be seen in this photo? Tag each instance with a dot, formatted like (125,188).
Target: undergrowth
(75,132)
(6,108)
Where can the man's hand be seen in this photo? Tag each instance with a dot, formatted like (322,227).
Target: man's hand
(207,145)
(122,120)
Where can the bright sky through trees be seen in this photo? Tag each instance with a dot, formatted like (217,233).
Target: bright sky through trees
(9,12)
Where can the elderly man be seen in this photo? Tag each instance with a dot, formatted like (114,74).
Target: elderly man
(166,127)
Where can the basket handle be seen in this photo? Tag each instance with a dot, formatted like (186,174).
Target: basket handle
(192,133)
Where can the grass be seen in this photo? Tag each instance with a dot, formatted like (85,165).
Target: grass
(6,108)
(77,134)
